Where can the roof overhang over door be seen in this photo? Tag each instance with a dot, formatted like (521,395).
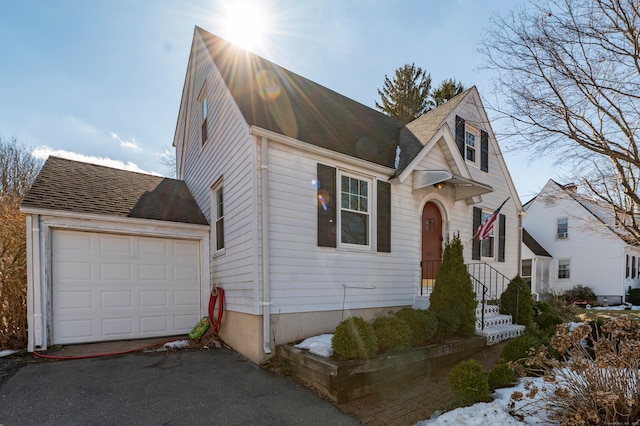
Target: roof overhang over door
(464,188)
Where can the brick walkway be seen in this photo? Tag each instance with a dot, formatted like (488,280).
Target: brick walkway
(416,400)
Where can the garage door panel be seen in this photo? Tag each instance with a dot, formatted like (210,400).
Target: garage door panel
(115,271)
(118,287)
(117,327)
(153,272)
(116,299)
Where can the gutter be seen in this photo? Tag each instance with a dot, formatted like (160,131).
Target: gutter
(266,303)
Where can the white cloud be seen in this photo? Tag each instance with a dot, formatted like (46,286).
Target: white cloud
(132,144)
(43,152)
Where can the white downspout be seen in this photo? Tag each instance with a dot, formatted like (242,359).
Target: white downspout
(266,303)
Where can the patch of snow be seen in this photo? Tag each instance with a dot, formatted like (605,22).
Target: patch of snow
(177,344)
(319,345)
(483,413)
(7,352)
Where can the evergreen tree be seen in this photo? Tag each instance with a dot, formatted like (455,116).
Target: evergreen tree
(447,90)
(453,290)
(406,97)
(518,302)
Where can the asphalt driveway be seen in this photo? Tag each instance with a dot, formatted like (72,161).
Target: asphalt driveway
(194,387)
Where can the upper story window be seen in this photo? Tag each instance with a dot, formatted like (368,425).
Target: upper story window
(564,269)
(202,100)
(355,208)
(470,140)
(217,216)
(562,227)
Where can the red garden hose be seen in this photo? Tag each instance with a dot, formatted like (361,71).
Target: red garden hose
(217,296)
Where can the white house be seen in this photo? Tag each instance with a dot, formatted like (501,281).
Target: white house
(570,242)
(318,208)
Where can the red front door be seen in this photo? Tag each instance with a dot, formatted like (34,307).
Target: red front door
(431,241)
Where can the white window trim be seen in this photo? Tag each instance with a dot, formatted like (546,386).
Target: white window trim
(218,186)
(371,201)
(476,133)
(558,269)
(494,230)
(203,103)
(565,235)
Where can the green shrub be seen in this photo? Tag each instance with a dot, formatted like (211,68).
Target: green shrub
(548,321)
(519,348)
(354,339)
(448,322)
(501,376)
(634,296)
(423,324)
(579,292)
(453,290)
(393,333)
(469,382)
(518,302)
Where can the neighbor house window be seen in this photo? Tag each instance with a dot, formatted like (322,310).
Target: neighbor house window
(633,267)
(564,269)
(527,271)
(218,216)
(355,208)
(470,144)
(202,99)
(562,227)
(486,246)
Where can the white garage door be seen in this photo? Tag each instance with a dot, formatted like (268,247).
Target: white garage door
(110,287)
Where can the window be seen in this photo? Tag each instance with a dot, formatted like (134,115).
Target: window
(202,99)
(470,145)
(564,269)
(527,271)
(354,210)
(633,267)
(562,228)
(486,246)
(218,216)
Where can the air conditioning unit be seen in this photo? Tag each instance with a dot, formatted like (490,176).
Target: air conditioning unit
(562,235)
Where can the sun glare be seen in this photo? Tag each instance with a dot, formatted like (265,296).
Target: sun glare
(245,23)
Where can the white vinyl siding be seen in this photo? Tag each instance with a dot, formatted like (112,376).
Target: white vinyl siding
(229,152)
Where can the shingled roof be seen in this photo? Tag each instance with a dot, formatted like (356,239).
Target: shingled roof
(72,186)
(276,99)
(533,245)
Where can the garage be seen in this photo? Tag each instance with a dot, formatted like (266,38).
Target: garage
(110,286)
(112,255)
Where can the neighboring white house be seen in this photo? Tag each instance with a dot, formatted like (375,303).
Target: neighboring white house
(570,242)
(319,207)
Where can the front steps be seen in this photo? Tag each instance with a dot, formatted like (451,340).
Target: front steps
(497,327)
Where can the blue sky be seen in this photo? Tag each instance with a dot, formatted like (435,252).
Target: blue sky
(102,80)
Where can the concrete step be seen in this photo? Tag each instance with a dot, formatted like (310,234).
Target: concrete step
(499,333)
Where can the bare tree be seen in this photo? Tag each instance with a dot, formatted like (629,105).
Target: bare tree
(568,74)
(18,169)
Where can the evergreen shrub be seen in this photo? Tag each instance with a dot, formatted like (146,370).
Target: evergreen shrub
(448,322)
(518,302)
(469,382)
(634,296)
(501,376)
(453,290)
(393,333)
(354,338)
(519,348)
(423,324)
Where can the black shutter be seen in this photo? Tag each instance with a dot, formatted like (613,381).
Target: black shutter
(502,233)
(460,134)
(484,151)
(384,216)
(326,206)
(475,245)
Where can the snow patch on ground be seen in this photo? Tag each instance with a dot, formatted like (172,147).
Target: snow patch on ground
(7,352)
(319,345)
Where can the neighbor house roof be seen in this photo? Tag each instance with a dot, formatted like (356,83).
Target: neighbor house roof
(72,186)
(276,99)
(533,245)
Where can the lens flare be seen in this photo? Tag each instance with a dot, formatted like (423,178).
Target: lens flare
(268,85)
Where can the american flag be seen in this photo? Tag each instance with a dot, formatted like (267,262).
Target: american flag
(484,230)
